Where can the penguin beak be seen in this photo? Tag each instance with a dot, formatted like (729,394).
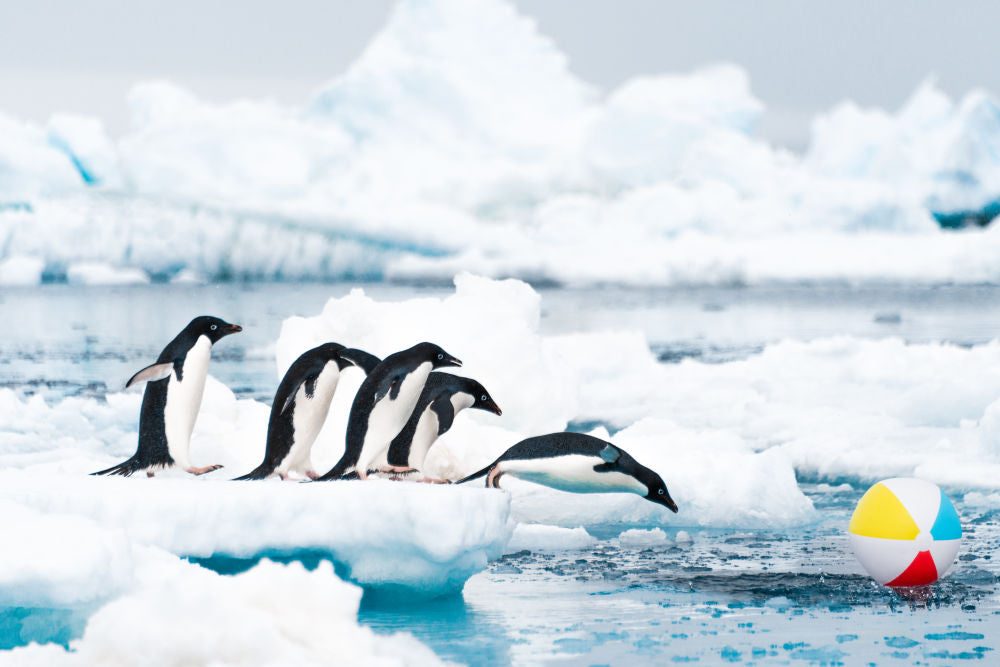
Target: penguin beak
(664,500)
(235,328)
(451,361)
(495,408)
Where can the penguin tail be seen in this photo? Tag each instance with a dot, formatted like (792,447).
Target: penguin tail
(260,472)
(336,472)
(125,468)
(476,475)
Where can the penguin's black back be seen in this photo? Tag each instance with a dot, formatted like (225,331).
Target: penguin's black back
(152,448)
(400,363)
(555,444)
(559,444)
(280,425)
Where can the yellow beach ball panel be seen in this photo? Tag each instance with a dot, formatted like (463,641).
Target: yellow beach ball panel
(905,532)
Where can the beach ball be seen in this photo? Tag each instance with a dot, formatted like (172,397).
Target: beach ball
(905,532)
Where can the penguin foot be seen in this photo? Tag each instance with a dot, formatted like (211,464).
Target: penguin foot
(312,474)
(434,480)
(150,474)
(493,479)
(202,471)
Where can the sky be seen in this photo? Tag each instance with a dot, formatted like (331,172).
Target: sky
(803,57)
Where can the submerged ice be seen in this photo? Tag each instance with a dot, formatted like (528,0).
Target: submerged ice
(460,140)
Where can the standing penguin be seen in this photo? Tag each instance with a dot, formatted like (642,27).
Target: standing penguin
(301,405)
(382,405)
(579,463)
(175,384)
(443,397)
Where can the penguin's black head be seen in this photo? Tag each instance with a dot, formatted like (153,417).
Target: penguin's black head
(483,400)
(329,351)
(434,354)
(212,327)
(658,492)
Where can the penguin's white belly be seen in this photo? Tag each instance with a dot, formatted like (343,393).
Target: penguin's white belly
(388,417)
(574,473)
(429,426)
(423,437)
(308,418)
(184,400)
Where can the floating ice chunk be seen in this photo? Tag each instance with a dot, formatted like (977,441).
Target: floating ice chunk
(100,273)
(683,537)
(273,614)
(537,537)
(21,270)
(636,538)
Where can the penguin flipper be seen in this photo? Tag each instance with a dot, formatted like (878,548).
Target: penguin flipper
(445,412)
(390,385)
(309,381)
(151,373)
(610,453)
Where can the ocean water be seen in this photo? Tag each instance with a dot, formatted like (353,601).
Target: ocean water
(750,596)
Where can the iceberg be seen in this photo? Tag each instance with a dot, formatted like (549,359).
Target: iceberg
(460,140)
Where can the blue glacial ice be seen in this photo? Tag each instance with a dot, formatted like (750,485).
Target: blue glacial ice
(460,140)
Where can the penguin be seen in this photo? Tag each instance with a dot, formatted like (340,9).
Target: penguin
(443,397)
(175,384)
(383,404)
(300,407)
(579,463)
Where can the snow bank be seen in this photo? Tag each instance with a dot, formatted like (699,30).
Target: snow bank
(460,140)
(271,615)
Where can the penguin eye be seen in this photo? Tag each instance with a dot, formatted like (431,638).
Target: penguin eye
(440,357)
(213,327)
(484,398)
(661,492)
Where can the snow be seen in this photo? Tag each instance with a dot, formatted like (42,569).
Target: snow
(179,613)
(459,140)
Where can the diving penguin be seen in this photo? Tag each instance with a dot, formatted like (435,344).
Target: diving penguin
(579,463)
(300,407)
(382,405)
(175,384)
(443,397)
